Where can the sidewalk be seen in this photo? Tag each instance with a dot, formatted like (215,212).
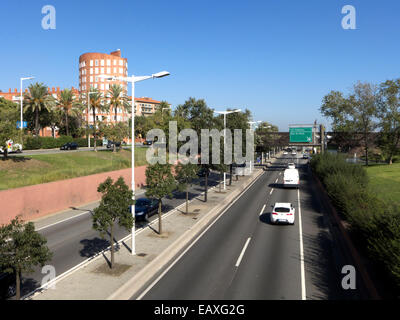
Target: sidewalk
(95,280)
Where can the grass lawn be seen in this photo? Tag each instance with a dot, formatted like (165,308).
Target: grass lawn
(385,181)
(24,171)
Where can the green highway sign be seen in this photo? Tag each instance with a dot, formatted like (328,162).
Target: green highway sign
(300,134)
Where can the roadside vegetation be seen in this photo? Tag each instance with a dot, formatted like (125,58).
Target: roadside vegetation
(30,170)
(385,182)
(374,219)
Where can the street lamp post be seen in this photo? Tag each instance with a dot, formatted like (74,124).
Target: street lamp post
(88,110)
(132,79)
(225,113)
(22,101)
(251,126)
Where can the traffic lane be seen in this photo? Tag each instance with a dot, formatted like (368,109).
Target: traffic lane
(75,240)
(270,269)
(206,270)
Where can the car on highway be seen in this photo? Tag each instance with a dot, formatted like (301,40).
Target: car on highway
(145,207)
(294,153)
(305,156)
(110,144)
(285,152)
(69,146)
(283,212)
(291,165)
(147,143)
(291,178)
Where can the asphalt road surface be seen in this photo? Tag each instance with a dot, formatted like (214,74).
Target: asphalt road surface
(243,256)
(74,240)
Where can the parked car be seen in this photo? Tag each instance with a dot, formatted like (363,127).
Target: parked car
(69,146)
(110,144)
(7,285)
(305,156)
(291,165)
(12,147)
(144,208)
(203,172)
(147,143)
(283,212)
(291,178)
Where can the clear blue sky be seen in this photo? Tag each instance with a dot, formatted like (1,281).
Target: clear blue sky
(276,57)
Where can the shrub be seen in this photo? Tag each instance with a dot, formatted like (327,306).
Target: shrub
(33,143)
(375,225)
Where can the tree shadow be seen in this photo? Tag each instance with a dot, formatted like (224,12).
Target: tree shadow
(16,158)
(93,246)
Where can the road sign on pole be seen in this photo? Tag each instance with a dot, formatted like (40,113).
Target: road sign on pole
(300,134)
(24,124)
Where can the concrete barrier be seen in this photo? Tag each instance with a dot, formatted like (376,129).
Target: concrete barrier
(36,201)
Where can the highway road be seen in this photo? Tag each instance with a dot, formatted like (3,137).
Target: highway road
(243,256)
(73,240)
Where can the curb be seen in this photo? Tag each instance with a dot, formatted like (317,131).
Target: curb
(132,286)
(348,243)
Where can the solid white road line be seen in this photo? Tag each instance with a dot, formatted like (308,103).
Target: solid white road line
(262,210)
(302,272)
(242,253)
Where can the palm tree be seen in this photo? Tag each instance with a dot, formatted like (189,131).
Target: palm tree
(68,102)
(96,102)
(37,99)
(117,98)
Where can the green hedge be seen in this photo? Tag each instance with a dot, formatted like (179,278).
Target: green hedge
(375,224)
(33,143)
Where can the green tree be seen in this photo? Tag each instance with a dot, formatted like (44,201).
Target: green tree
(96,103)
(114,208)
(8,118)
(118,99)
(69,103)
(159,183)
(37,99)
(389,116)
(114,131)
(364,102)
(184,175)
(21,249)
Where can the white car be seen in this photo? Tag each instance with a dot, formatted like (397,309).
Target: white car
(285,152)
(291,165)
(291,178)
(294,153)
(283,212)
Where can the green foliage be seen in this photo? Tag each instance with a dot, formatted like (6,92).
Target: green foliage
(113,208)
(184,175)
(34,143)
(374,223)
(159,183)
(22,248)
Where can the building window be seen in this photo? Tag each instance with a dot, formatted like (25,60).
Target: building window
(120,71)
(108,62)
(102,86)
(102,70)
(96,79)
(95,85)
(91,63)
(91,78)
(107,86)
(96,70)
(108,70)
(96,63)
(91,70)
(115,62)
(102,62)
(115,70)
(121,63)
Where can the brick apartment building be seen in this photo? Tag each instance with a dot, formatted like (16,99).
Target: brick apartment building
(91,65)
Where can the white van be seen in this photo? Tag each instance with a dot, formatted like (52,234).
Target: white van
(291,178)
